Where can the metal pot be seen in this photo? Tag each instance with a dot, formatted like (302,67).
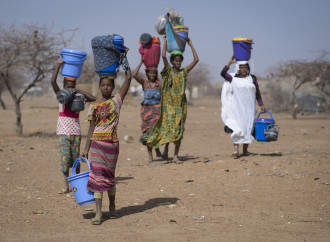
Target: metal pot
(65,96)
(78,103)
(272,132)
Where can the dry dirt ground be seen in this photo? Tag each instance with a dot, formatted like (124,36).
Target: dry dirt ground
(282,193)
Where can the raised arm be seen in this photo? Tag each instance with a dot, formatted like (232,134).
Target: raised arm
(55,74)
(195,61)
(164,53)
(124,88)
(89,136)
(136,73)
(89,97)
(224,71)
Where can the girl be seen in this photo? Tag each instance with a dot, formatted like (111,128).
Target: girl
(68,127)
(238,97)
(150,106)
(170,126)
(103,141)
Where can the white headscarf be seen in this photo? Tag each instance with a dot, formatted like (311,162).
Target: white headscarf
(238,63)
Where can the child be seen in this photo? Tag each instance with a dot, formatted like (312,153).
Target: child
(150,106)
(239,95)
(68,127)
(170,126)
(103,141)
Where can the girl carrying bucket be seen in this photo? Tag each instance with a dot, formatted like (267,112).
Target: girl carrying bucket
(68,127)
(239,94)
(150,106)
(102,141)
(170,126)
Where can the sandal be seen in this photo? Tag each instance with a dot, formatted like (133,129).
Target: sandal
(235,154)
(113,216)
(96,221)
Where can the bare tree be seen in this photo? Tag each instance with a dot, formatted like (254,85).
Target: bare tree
(200,77)
(30,50)
(302,72)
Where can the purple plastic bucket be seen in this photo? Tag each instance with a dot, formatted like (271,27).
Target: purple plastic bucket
(242,50)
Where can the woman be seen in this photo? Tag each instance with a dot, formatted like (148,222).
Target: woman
(103,141)
(150,106)
(238,97)
(170,126)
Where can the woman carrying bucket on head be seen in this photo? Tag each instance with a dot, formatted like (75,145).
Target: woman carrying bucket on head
(68,126)
(239,94)
(150,106)
(103,143)
(170,126)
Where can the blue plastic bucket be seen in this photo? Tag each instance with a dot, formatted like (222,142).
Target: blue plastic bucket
(242,50)
(73,62)
(78,184)
(260,127)
(110,70)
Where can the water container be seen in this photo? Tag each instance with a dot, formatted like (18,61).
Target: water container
(261,125)
(78,184)
(242,50)
(272,132)
(78,103)
(73,62)
(151,52)
(145,38)
(118,41)
(110,70)
(64,96)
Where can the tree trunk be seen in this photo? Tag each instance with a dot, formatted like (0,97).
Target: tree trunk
(3,105)
(19,126)
(294,106)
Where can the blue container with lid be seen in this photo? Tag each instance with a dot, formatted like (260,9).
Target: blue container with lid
(261,125)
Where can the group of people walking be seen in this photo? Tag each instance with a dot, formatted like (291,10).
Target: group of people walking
(163,114)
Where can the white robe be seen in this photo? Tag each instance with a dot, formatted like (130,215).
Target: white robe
(238,99)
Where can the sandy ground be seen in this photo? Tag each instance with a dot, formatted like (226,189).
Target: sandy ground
(280,194)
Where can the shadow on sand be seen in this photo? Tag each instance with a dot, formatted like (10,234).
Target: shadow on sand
(125,211)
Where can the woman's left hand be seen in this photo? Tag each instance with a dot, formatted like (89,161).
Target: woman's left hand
(263,109)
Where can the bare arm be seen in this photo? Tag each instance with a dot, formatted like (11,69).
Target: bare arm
(195,61)
(89,136)
(89,97)
(124,88)
(136,73)
(55,74)
(164,53)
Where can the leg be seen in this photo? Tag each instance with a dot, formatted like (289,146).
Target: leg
(64,145)
(176,158)
(112,205)
(97,220)
(150,153)
(165,152)
(75,150)
(245,149)
(158,154)
(236,151)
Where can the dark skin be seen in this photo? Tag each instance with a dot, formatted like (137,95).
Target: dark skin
(244,72)
(152,78)
(106,87)
(176,65)
(72,86)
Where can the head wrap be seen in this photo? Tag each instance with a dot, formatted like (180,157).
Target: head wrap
(176,52)
(151,68)
(109,76)
(238,63)
(70,79)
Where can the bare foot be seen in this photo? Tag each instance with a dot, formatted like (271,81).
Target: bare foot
(158,153)
(165,155)
(112,211)
(97,220)
(177,160)
(235,154)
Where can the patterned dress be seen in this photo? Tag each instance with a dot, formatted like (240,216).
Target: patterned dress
(149,114)
(104,144)
(69,133)
(170,125)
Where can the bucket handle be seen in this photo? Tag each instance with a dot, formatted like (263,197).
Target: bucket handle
(266,112)
(245,47)
(72,62)
(74,167)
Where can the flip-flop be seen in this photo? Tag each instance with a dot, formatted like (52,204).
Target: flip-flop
(96,221)
(235,155)
(113,216)
(64,191)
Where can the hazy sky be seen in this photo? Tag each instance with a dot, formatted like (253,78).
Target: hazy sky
(281,29)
